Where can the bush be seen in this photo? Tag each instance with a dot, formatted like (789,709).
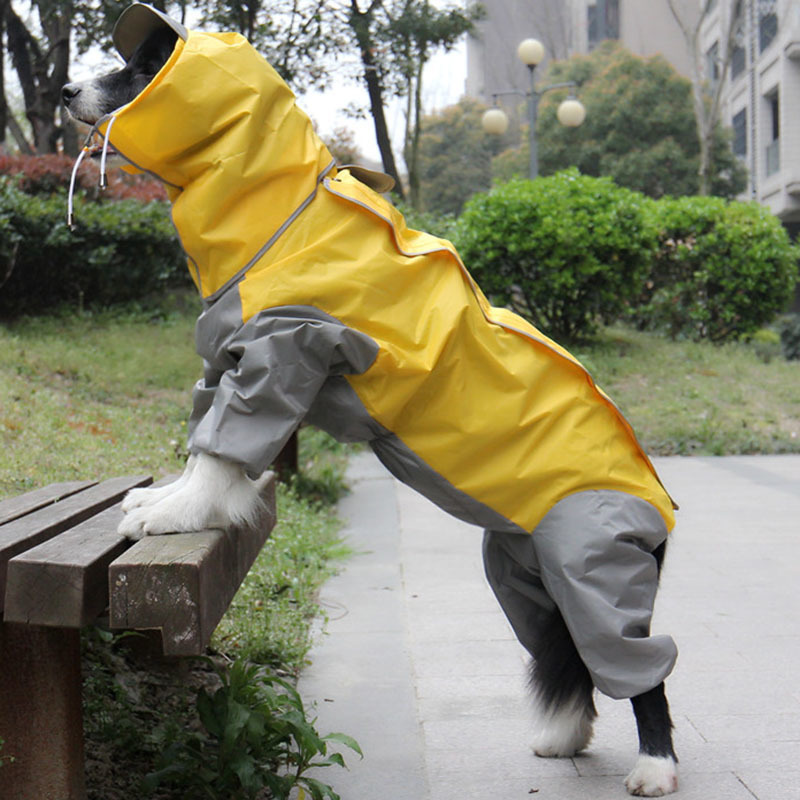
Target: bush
(50,174)
(565,251)
(118,252)
(722,270)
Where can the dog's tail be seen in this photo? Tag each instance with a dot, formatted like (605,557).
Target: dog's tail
(557,677)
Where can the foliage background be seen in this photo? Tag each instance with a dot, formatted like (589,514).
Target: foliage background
(639,128)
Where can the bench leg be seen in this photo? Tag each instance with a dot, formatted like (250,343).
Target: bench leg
(40,713)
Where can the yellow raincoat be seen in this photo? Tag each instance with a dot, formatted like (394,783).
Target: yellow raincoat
(322,304)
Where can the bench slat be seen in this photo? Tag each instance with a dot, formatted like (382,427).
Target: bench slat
(182,584)
(64,581)
(26,532)
(14,507)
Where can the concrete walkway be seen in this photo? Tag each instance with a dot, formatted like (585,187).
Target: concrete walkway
(420,666)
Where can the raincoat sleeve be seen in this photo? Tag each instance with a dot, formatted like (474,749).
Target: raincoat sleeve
(260,381)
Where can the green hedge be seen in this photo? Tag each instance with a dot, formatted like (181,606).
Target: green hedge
(570,251)
(722,269)
(566,251)
(119,251)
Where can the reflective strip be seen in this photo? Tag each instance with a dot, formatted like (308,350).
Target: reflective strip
(274,238)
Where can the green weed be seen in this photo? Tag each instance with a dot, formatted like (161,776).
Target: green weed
(255,735)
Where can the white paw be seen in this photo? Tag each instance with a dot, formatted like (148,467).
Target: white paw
(179,512)
(136,498)
(210,494)
(653,776)
(564,732)
(132,525)
(130,528)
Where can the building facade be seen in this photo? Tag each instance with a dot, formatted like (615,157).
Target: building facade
(566,27)
(760,97)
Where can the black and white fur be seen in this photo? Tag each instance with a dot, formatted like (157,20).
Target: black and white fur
(89,101)
(563,696)
(213,493)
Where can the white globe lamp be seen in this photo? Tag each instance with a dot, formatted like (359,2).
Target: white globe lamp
(530,52)
(495,121)
(571,113)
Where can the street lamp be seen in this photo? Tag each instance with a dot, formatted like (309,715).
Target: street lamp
(571,112)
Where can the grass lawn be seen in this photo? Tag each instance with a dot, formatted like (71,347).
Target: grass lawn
(697,398)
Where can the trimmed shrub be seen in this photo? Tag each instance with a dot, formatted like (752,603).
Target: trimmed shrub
(50,174)
(118,252)
(722,270)
(566,251)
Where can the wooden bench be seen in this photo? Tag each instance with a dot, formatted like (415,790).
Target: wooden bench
(63,566)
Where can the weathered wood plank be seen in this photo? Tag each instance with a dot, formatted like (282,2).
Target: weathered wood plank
(63,582)
(182,584)
(40,713)
(26,532)
(14,507)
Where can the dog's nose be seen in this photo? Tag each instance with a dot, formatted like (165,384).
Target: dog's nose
(69,92)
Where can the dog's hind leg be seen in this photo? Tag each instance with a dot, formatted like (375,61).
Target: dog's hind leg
(560,683)
(655,773)
(562,692)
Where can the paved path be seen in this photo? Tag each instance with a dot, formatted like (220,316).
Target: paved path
(419,665)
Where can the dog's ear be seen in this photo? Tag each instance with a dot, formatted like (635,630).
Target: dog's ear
(153,53)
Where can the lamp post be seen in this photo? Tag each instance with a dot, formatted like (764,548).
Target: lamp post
(571,111)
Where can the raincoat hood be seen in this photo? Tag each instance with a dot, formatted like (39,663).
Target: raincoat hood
(220,128)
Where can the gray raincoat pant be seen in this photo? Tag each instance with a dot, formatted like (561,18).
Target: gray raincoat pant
(590,557)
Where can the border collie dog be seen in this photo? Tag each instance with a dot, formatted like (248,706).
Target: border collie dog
(575,575)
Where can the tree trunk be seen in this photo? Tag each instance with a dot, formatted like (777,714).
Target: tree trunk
(359,23)
(412,158)
(41,73)
(3,102)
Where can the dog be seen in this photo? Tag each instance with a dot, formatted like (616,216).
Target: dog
(299,361)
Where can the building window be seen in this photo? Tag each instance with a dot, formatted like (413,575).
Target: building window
(602,21)
(737,61)
(740,134)
(767,24)
(773,134)
(712,65)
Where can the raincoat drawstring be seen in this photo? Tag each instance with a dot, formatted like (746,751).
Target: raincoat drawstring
(104,154)
(71,194)
(79,160)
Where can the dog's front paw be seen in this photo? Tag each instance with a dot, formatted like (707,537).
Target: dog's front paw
(172,514)
(132,525)
(653,776)
(136,498)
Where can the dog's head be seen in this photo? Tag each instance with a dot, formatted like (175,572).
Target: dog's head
(91,100)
